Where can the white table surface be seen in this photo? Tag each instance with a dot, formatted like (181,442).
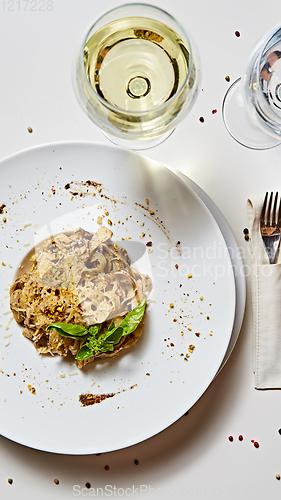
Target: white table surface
(193,458)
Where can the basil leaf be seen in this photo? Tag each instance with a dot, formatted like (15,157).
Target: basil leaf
(84,352)
(94,330)
(111,326)
(115,335)
(131,320)
(68,330)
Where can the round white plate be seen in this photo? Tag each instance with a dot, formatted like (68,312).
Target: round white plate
(236,259)
(154,384)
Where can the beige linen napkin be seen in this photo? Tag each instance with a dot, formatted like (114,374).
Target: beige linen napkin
(266,306)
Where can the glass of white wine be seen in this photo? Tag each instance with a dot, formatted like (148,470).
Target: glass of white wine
(137,75)
(252,105)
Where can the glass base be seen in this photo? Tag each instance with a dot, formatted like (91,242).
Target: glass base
(139,145)
(239,124)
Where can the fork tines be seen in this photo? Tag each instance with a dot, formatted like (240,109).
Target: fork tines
(271,218)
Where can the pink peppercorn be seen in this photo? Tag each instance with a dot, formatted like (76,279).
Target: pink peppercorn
(106,467)
(256,444)
(230,438)
(240,437)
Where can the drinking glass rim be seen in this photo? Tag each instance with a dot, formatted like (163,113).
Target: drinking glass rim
(106,103)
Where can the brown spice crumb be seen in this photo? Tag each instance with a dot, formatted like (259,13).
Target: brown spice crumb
(278,477)
(10,480)
(227,78)
(201,119)
(247,237)
(30,129)
(56,481)
(149,244)
(2,208)
(136,462)
(176,266)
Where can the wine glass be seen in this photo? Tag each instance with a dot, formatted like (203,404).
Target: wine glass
(252,105)
(137,75)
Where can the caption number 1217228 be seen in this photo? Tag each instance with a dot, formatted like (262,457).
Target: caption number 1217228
(27,5)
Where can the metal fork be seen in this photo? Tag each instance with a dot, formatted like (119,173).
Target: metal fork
(270,226)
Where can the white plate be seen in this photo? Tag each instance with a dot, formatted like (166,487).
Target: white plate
(236,259)
(165,384)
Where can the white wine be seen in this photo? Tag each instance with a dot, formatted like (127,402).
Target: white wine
(136,75)
(136,64)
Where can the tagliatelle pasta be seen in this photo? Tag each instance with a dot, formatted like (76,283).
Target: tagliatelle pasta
(83,279)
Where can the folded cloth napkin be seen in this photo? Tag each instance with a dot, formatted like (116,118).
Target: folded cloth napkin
(266,306)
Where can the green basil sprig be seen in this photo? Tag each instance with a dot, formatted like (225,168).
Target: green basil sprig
(97,338)
(69,330)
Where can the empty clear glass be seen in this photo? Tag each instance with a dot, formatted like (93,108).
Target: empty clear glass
(252,105)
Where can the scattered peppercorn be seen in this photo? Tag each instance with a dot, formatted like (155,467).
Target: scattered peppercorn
(227,78)
(279,430)
(237,33)
(2,208)
(149,244)
(278,477)
(10,480)
(106,467)
(214,111)
(136,462)
(56,481)
(256,444)
(88,485)
(240,437)
(67,186)
(246,230)
(230,438)
(176,266)
(246,237)
(201,119)
(30,129)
